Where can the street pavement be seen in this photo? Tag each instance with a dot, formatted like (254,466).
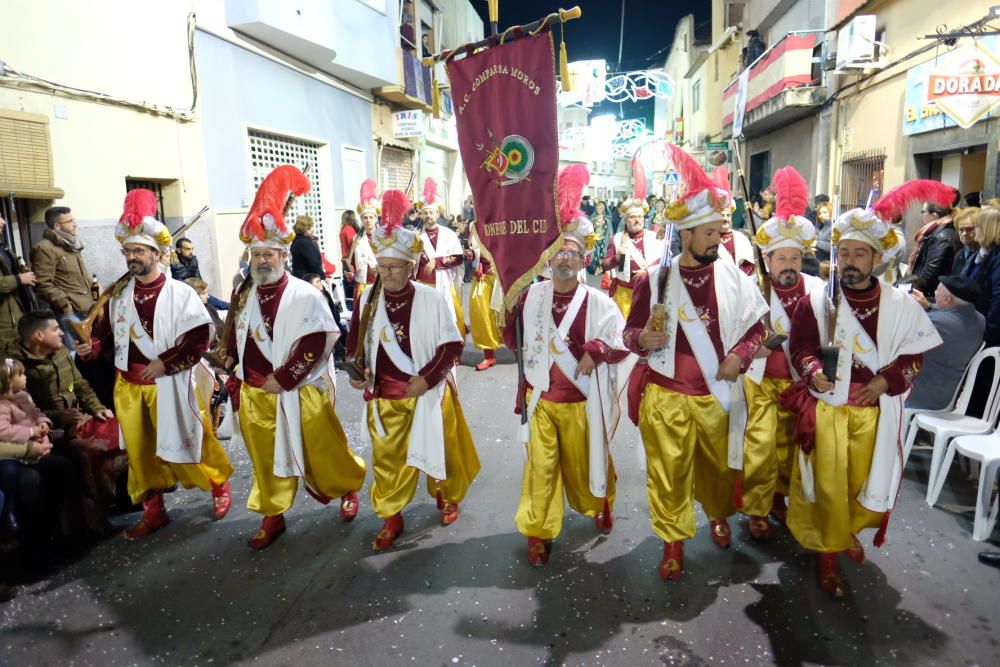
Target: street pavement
(195,594)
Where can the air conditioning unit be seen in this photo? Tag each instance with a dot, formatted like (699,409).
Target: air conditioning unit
(857,46)
(698,140)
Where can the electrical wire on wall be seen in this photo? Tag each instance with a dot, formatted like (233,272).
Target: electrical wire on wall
(12,78)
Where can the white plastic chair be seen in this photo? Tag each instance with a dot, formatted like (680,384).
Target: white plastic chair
(947,425)
(910,413)
(986,450)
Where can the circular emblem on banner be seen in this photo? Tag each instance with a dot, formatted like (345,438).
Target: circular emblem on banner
(520,156)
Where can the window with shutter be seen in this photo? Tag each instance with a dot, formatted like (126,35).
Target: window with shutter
(26,156)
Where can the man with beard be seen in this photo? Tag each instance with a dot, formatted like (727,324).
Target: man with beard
(768,447)
(441,264)
(361,258)
(158,330)
(412,413)
(282,341)
(735,246)
(633,251)
(574,344)
(850,460)
(697,323)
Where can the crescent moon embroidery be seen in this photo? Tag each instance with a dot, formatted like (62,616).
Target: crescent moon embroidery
(859,349)
(384,336)
(257,335)
(779,326)
(552,346)
(683,315)
(132,334)
(309,356)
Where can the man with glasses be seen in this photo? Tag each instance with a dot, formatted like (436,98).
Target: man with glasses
(412,413)
(282,341)
(157,329)
(573,346)
(441,264)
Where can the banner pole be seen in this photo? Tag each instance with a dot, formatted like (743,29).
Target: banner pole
(494,17)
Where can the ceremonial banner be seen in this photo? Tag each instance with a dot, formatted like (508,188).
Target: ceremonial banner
(505,113)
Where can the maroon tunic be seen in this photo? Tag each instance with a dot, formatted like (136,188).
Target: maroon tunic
(184,354)
(445,262)
(730,244)
(805,342)
(306,353)
(688,378)
(611,260)
(390,381)
(777,361)
(561,388)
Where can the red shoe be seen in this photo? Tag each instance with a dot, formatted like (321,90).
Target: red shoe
(605,520)
(154,517)
(391,529)
(760,529)
(828,574)
(486,364)
(779,510)
(673,561)
(857,552)
(721,534)
(538,551)
(349,506)
(270,528)
(222,499)
(449,513)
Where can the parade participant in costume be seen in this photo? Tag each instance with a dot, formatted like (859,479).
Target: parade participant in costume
(282,339)
(441,264)
(362,257)
(681,398)
(157,329)
(573,344)
(768,447)
(485,305)
(849,466)
(412,411)
(737,246)
(633,251)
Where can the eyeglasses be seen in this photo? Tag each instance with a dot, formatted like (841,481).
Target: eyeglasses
(135,252)
(567,254)
(393,268)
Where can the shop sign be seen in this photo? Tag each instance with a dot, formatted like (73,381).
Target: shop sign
(959,89)
(407,124)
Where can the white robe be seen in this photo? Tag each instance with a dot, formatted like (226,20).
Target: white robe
(431,325)
(603,387)
(362,258)
(781,322)
(744,249)
(301,311)
(447,245)
(903,328)
(179,429)
(652,250)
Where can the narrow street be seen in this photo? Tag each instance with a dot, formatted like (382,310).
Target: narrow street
(194,594)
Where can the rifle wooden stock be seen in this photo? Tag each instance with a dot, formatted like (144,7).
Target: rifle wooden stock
(85,327)
(356,364)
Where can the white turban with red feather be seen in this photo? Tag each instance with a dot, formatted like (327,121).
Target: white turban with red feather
(265,226)
(138,223)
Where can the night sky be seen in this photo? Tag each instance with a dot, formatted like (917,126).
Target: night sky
(649,32)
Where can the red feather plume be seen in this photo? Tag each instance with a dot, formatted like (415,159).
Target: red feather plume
(638,179)
(367,191)
(271,198)
(791,191)
(694,177)
(572,180)
(430,190)
(395,205)
(721,177)
(893,204)
(139,204)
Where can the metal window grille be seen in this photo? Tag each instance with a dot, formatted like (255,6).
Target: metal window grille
(861,173)
(268,151)
(154,187)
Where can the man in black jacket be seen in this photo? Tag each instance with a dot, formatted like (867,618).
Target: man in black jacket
(186,267)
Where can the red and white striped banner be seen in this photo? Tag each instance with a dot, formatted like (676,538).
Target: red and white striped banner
(787,65)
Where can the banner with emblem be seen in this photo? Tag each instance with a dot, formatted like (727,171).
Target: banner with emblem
(505,113)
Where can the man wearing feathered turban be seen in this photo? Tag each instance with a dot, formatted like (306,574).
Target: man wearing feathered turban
(441,263)
(361,256)
(157,329)
(572,349)
(768,446)
(282,340)
(705,333)
(849,465)
(412,414)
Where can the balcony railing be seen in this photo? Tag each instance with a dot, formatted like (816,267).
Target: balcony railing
(786,65)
